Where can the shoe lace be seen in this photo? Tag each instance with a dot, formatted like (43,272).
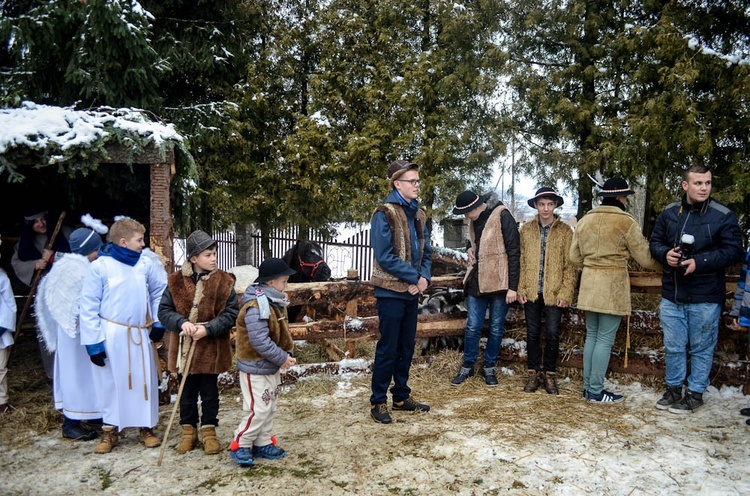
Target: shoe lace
(382,409)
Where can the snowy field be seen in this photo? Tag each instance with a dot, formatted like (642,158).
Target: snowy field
(475,441)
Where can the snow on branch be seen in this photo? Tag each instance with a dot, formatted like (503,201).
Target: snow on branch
(694,44)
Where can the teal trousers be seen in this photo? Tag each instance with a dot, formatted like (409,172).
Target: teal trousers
(601,329)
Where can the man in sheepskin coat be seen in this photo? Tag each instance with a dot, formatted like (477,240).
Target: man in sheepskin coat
(547,285)
(199,305)
(491,281)
(603,242)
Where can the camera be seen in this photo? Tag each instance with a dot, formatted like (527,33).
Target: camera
(686,249)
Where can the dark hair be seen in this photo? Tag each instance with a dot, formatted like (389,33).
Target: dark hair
(695,169)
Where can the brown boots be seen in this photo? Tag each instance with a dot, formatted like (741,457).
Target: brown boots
(210,443)
(550,383)
(189,439)
(147,438)
(110,436)
(535,379)
(533,382)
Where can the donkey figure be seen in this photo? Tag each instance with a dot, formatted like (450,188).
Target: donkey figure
(306,257)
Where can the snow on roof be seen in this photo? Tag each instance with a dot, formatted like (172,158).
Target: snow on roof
(41,126)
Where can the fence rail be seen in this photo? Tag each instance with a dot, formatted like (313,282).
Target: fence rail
(354,252)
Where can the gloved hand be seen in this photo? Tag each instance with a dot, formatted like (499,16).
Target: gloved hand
(157,332)
(97,354)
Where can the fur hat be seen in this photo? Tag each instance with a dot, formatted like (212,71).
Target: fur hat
(397,168)
(466,202)
(197,242)
(545,193)
(84,241)
(271,268)
(614,187)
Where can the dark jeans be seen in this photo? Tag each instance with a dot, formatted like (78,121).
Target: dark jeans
(205,386)
(395,349)
(552,315)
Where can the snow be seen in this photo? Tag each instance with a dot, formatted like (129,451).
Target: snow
(38,126)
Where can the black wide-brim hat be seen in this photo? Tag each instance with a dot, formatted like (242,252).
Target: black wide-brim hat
(272,268)
(545,193)
(614,187)
(466,202)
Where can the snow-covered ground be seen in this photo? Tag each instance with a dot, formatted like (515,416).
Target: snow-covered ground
(476,440)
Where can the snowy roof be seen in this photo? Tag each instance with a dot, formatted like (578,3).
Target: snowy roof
(40,126)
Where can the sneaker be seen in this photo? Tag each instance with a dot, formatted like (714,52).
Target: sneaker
(242,457)
(269,452)
(72,429)
(489,376)
(745,412)
(462,375)
(688,404)
(379,413)
(409,405)
(672,395)
(604,397)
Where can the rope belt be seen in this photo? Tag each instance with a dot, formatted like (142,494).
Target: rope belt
(139,344)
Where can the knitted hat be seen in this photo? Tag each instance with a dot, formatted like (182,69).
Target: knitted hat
(615,187)
(466,202)
(197,242)
(271,268)
(545,193)
(397,168)
(84,241)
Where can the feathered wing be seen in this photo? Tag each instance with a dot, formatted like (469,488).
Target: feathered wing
(58,305)
(45,325)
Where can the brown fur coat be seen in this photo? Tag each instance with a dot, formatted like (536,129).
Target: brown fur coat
(560,274)
(604,240)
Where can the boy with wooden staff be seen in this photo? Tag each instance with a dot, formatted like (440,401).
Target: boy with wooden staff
(199,305)
(120,296)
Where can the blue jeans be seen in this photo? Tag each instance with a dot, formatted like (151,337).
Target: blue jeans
(692,329)
(395,349)
(477,309)
(601,329)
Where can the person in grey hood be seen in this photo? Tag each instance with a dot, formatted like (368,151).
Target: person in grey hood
(264,346)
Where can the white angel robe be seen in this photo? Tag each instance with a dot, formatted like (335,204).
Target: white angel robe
(117,303)
(57,305)
(8,321)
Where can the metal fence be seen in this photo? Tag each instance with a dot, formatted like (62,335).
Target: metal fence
(354,252)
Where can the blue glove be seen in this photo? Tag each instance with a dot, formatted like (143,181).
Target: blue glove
(97,354)
(157,332)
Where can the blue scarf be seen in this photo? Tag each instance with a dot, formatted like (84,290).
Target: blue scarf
(120,253)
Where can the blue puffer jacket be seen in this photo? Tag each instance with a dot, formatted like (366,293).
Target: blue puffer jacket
(382,245)
(718,244)
(741,306)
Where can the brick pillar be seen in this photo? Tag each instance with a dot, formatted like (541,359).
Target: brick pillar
(161,227)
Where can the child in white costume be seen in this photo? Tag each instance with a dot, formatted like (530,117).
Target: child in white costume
(119,301)
(7,327)
(57,309)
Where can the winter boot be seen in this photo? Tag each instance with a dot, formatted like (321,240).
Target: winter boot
(110,436)
(688,404)
(550,383)
(672,395)
(379,413)
(210,443)
(532,382)
(147,438)
(489,376)
(462,375)
(189,439)
(72,429)
(409,405)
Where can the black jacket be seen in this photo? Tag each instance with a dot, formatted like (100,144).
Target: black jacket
(718,244)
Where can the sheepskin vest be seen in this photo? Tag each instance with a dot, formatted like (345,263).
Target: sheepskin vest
(492,259)
(560,275)
(401,240)
(200,303)
(278,331)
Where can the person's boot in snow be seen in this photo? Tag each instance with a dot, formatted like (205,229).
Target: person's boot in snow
(210,443)
(110,436)
(72,429)
(189,439)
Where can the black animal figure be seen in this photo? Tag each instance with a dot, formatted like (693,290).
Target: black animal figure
(306,257)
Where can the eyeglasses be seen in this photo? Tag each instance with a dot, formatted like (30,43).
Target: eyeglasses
(413,182)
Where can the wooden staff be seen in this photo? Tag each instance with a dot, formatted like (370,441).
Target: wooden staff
(35,282)
(177,402)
